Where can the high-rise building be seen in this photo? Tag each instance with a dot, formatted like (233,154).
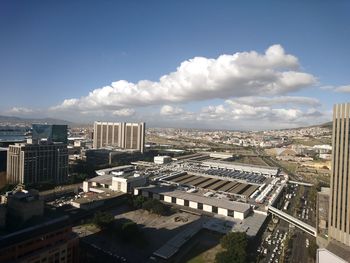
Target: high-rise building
(49,132)
(37,163)
(119,134)
(339,209)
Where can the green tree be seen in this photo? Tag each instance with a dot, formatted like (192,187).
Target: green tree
(103,219)
(138,201)
(235,244)
(312,249)
(155,206)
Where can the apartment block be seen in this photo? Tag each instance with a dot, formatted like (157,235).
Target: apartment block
(119,134)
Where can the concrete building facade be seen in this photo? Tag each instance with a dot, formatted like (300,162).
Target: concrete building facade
(119,134)
(37,163)
(339,209)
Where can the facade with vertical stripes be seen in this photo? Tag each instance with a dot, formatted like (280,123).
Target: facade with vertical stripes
(37,163)
(339,216)
(119,134)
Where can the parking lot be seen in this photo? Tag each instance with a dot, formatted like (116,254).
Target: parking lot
(66,199)
(273,246)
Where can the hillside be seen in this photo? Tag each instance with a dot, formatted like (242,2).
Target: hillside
(12,120)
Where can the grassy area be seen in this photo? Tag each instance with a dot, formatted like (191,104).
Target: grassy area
(207,256)
(312,141)
(289,166)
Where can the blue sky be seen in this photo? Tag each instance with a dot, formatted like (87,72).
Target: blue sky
(52,51)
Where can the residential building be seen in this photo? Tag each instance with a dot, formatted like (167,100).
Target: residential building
(119,134)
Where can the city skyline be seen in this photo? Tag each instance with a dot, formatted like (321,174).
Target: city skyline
(165,65)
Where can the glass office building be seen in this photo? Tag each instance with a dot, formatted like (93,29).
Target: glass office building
(53,133)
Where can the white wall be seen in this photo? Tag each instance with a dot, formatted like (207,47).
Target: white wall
(222,211)
(167,199)
(207,208)
(238,215)
(86,186)
(180,201)
(193,205)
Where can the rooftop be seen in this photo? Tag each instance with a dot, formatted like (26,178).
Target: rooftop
(92,197)
(30,232)
(223,203)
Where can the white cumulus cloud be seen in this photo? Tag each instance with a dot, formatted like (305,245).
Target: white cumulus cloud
(344,88)
(126,112)
(168,110)
(238,75)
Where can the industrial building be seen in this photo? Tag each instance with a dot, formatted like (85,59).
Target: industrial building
(263,170)
(119,134)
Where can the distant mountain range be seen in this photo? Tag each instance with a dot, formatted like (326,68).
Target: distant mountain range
(11,120)
(327,125)
(28,121)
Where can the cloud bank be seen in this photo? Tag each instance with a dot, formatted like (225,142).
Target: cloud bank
(238,75)
(245,90)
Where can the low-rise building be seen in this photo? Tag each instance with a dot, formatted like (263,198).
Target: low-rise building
(120,178)
(196,201)
(23,205)
(162,159)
